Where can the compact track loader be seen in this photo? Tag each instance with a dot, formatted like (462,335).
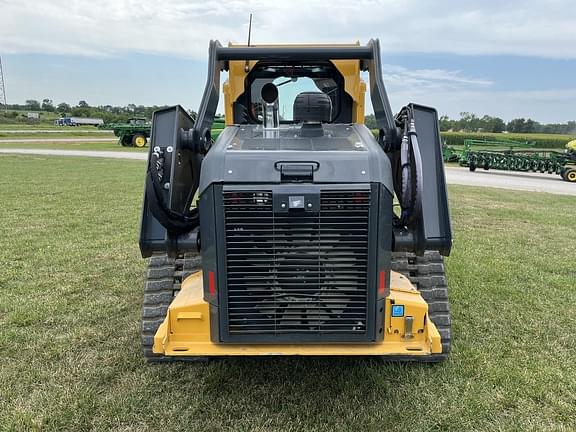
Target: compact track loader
(295,232)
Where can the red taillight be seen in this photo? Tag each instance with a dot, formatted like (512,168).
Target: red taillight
(360,198)
(382,284)
(212,283)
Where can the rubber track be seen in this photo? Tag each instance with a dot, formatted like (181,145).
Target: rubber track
(165,276)
(163,280)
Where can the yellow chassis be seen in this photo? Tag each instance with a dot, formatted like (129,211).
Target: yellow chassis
(186,329)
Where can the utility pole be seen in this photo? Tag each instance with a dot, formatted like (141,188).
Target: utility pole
(2,89)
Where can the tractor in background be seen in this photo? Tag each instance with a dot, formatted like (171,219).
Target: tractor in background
(133,133)
(136,131)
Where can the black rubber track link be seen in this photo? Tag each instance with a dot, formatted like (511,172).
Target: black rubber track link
(163,280)
(428,275)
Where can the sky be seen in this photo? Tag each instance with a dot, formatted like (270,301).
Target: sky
(505,58)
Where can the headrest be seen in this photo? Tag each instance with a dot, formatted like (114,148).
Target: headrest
(312,107)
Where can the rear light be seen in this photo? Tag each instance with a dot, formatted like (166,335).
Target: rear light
(382,284)
(212,283)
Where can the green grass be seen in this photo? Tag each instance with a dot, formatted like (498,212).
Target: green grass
(57,134)
(28,131)
(41,126)
(98,145)
(70,293)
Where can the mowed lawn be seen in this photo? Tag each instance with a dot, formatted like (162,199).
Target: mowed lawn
(57,134)
(72,145)
(70,294)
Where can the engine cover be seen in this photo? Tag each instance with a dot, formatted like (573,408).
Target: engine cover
(296,236)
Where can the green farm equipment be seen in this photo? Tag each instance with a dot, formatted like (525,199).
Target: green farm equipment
(217,127)
(449,153)
(134,133)
(518,156)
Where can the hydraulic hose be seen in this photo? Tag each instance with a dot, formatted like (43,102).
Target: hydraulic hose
(418,181)
(174,222)
(410,170)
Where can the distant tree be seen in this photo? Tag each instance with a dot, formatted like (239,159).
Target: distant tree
(81,112)
(516,125)
(498,125)
(33,105)
(63,108)
(492,124)
(446,123)
(47,105)
(83,104)
(530,126)
(370,121)
(468,122)
(521,125)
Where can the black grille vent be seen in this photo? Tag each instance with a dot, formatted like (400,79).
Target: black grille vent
(297,272)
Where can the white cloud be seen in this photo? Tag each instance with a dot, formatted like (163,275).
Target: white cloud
(452,92)
(546,106)
(440,79)
(183,27)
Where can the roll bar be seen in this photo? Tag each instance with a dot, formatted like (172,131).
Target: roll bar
(218,57)
(294,53)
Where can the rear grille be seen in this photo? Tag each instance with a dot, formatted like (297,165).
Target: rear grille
(297,272)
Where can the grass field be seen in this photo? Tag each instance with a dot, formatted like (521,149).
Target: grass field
(40,125)
(97,145)
(56,134)
(49,130)
(70,293)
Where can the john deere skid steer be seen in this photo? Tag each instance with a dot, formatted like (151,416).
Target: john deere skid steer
(295,232)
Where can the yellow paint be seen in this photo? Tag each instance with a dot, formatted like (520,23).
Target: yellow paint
(190,315)
(186,329)
(354,86)
(350,70)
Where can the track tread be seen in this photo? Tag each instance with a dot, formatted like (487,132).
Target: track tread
(163,280)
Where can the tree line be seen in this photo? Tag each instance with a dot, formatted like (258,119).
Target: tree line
(108,113)
(470,122)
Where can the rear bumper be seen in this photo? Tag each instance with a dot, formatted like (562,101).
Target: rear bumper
(186,329)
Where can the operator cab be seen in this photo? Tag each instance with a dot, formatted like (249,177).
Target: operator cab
(292,81)
(337,80)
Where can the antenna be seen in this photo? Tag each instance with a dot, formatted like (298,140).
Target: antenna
(247,64)
(2,88)
(249,29)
